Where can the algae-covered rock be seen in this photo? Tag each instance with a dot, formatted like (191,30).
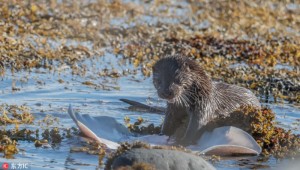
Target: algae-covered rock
(161,159)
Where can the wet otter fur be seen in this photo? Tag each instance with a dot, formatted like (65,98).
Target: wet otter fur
(191,94)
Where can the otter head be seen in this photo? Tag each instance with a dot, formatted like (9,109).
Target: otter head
(179,79)
(173,78)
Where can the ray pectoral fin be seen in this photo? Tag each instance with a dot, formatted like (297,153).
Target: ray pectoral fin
(85,125)
(85,130)
(227,141)
(72,115)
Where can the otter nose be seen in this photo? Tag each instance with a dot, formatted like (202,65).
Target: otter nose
(168,94)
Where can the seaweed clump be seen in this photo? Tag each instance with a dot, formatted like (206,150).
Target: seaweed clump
(8,147)
(274,140)
(139,127)
(55,135)
(93,148)
(13,114)
(18,115)
(52,135)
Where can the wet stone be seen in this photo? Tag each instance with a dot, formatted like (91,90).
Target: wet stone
(161,159)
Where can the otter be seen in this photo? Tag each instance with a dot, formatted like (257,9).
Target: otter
(191,93)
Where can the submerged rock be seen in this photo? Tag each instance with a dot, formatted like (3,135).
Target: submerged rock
(160,159)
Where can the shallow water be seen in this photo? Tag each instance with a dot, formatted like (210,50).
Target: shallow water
(42,92)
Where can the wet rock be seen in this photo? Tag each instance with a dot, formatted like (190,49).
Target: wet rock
(161,159)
